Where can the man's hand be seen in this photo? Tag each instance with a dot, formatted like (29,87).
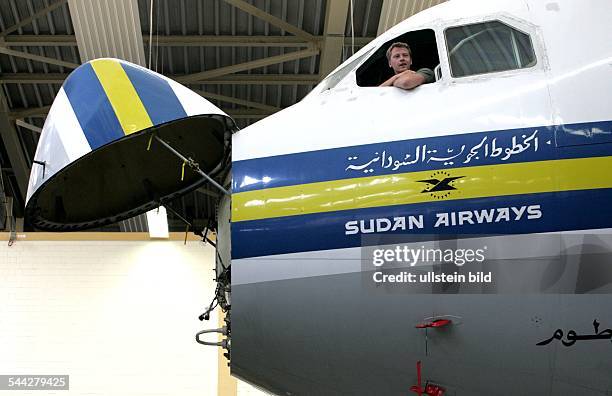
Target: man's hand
(406,80)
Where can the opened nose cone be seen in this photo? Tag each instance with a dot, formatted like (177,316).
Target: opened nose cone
(97,162)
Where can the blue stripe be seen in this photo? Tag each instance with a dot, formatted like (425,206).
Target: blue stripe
(156,95)
(92,107)
(561,211)
(332,164)
(584,133)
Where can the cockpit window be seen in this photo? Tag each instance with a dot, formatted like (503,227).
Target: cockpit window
(486,48)
(424,55)
(333,79)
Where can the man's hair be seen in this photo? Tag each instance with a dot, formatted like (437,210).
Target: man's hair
(397,45)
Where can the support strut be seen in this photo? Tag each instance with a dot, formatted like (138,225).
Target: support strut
(192,164)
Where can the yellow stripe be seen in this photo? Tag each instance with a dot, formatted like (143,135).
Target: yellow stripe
(401,189)
(128,107)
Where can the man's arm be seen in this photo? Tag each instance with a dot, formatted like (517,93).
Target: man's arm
(428,74)
(390,81)
(410,79)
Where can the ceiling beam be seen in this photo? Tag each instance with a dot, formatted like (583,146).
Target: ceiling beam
(263,79)
(38,58)
(29,112)
(20,122)
(31,18)
(335,22)
(190,78)
(231,41)
(246,113)
(12,144)
(67,40)
(250,79)
(39,40)
(32,78)
(271,19)
(242,102)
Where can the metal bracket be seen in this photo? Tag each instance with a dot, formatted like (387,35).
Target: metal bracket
(222,343)
(192,164)
(44,165)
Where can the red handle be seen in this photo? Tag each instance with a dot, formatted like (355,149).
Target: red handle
(434,324)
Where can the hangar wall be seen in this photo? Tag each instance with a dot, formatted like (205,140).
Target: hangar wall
(118,316)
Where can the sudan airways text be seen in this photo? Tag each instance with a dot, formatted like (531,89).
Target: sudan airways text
(443,219)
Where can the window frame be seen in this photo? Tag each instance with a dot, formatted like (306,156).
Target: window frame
(356,63)
(520,25)
(385,43)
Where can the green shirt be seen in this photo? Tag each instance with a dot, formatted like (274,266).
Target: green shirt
(428,74)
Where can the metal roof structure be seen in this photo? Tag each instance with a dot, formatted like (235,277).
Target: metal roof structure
(250,58)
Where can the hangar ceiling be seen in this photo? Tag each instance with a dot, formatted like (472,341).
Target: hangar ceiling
(250,58)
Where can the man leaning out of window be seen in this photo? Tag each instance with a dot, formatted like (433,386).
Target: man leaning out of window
(400,60)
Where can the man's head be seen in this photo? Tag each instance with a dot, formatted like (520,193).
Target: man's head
(399,57)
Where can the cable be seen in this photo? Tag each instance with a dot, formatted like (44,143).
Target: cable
(352,30)
(3,202)
(157,39)
(150,34)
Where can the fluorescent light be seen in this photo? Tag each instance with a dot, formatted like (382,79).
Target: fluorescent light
(158,223)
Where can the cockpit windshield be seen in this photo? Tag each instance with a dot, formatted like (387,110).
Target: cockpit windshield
(334,78)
